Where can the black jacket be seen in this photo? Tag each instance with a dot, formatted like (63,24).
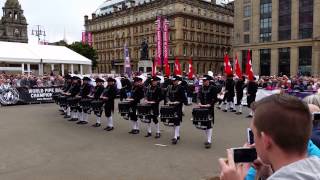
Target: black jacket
(208,95)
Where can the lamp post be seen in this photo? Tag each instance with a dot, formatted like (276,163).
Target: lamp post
(39,31)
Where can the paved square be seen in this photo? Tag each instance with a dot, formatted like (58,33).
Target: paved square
(37,143)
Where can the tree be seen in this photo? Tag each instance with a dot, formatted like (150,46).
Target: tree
(86,51)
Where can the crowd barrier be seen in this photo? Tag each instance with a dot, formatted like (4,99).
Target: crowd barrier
(23,95)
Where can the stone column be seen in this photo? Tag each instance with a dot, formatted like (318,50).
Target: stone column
(255,21)
(316,22)
(22,68)
(275,20)
(294,61)
(28,69)
(274,62)
(62,69)
(256,61)
(315,58)
(72,69)
(294,20)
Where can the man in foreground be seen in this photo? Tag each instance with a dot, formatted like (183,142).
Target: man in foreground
(281,128)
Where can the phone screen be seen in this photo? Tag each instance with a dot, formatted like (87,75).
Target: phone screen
(250,136)
(244,155)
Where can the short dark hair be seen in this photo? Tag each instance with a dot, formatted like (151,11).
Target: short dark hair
(286,119)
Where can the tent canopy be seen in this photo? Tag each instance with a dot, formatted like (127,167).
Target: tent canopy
(29,53)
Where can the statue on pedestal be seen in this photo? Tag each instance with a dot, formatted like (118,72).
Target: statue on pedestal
(144,50)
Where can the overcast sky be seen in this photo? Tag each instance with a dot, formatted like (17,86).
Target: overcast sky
(57,17)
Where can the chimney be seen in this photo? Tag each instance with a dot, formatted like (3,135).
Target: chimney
(93,15)
(86,18)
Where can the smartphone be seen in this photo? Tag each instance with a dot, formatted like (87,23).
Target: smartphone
(244,155)
(250,136)
(316,118)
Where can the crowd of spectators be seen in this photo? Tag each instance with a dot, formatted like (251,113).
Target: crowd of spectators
(24,80)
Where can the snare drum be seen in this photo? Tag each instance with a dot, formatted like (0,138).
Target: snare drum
(55,97)
(144,112)
(97,105)
(168,115)
(62,100)
(201,118)
(124,108)
(73,101)
(85,103)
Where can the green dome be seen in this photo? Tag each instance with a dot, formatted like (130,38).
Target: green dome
(12,4)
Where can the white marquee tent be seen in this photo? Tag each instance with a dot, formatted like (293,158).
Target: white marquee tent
(20,56)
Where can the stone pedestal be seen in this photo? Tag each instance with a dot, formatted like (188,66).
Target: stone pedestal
(145,66)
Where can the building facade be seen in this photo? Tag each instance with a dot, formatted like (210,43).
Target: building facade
(13,24)
(284,36)
(198,29)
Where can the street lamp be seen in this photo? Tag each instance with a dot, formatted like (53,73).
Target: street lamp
(39,31)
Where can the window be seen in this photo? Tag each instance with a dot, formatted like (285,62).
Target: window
(246,38)
(265,20)
(305,55)
(284,61)
(192,23)
(185,22)
(185,36)
(246,25)
(265,62)
(305,19)
(184,51)
(284,20)
(199,25)
(247,11)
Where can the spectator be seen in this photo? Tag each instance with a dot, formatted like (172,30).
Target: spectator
(281,127)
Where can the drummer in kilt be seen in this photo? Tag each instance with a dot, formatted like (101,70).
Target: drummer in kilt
(85,91)
(72,93)
(153,97)
(136,95)
(208,97)
(97,92)
(108,95)
(65,89)
(177,97)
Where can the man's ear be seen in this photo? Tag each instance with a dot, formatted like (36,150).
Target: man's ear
(266,140)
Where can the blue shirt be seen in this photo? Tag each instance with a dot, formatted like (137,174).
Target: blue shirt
(315,136)
(313,150)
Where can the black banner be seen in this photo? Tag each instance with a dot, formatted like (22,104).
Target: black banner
(23,95)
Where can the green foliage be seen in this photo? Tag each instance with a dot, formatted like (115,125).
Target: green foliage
(86,51)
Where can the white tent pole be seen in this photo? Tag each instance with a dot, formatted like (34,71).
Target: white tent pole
(81,69)
(62,69)
(71,68)
(28,66)
(52,67)
(22,68)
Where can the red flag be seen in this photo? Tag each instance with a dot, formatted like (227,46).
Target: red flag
(190,75)
(154,68)
(249,70)
(177,67)
(227,65)
(238,69)
(167,69)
